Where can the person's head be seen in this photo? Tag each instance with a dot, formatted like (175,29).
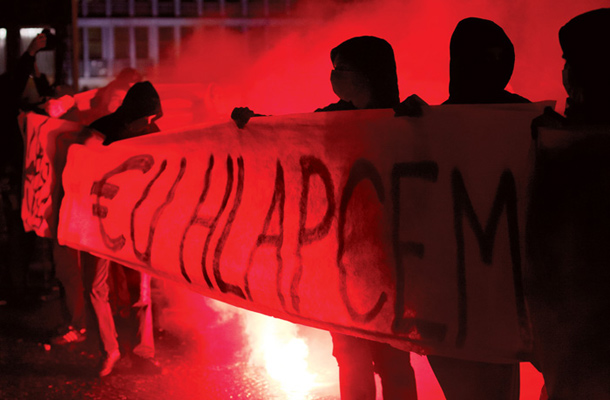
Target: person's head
(364,72)
(585,42)
(482,59)
(140,108)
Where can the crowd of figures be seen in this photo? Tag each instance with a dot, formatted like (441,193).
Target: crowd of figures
(126,107)
(568,222)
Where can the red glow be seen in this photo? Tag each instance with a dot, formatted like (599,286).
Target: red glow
(190,313)
(286,69)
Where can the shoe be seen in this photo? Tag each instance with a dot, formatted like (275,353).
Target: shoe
(72,336)
(109,363)
(145,365)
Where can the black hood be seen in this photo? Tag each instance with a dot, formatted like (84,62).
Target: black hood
(141,100)
(585,41)
(482,59)
(374,57)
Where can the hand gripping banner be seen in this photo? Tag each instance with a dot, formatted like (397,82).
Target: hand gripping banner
(403,230)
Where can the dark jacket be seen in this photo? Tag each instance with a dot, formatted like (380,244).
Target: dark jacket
(12,85)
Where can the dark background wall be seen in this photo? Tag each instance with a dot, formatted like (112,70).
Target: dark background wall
(16,14)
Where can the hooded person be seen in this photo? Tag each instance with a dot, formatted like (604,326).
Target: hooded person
(108,98)
(363,75)
(585,41)
(482,59)
(481,65)
(136,116)
(566,279)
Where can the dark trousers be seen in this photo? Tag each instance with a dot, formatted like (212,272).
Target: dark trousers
(68,272)
(359,360)
(471,380)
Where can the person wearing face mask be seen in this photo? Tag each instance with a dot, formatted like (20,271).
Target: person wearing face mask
(136,116)
(568,225)
(364,77)
(482,58)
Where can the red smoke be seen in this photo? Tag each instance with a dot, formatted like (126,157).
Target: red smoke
(282,70)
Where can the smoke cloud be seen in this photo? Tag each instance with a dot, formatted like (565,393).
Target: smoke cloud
(285,69)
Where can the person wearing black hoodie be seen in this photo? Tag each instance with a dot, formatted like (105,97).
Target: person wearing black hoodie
(364,77)
(482,59)
(568,225)
(136,116)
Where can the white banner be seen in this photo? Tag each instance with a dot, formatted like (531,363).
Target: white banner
(404,230)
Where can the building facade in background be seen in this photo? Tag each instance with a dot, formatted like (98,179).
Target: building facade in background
(115,34)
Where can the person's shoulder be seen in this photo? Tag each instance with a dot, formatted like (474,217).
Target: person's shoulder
(101,123)
(341,105)
(514,98)
(108,126)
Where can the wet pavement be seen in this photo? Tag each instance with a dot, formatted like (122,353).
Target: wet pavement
(207,351)
(210,363)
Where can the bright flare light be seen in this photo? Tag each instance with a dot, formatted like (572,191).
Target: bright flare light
(276,346)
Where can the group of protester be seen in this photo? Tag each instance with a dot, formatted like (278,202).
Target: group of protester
(564,233)
(126,107)
(568,276)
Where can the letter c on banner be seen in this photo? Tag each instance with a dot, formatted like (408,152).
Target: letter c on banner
(361,170)
(311,165)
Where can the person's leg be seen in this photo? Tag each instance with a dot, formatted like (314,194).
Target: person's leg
(356,375)
(95,273)
(471,380)
(68,272)
(145,344)
(394,369)
(567,278)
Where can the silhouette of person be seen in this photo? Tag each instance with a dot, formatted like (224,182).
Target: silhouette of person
(364,77)
(108,98)
(135,117)
(482,59)
(15,243)
(568,225)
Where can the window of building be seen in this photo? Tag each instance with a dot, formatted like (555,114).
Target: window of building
(121,43)
(95,43)
(141,42)
(167,45)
